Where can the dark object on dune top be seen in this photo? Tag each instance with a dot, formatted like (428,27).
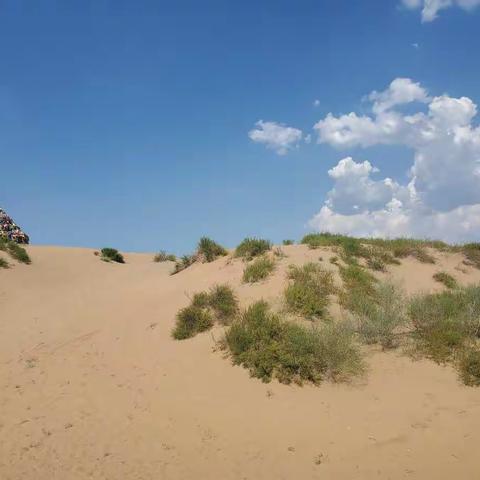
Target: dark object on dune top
(10,231)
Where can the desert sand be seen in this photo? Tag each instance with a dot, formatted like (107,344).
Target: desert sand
(93,386)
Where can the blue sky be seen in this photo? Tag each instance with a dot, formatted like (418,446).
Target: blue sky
(126,123)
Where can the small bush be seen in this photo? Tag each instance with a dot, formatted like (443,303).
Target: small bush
(111,255)
(4,263)
(219,304)
(190,321)
(378,317)
(444,322)
(308,293)
(252,247)
(445,278)
(258,270)
(224,303)
(163,256)
(270,347)
(472,254)
(210,250)
(358,284)
(288,242)
(469,367)
(183,263)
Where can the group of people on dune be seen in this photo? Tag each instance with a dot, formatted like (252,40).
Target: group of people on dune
(9,230)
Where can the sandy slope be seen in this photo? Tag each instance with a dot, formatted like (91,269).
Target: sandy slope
(92,386)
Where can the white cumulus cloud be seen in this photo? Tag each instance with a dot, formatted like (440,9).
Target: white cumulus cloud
(441,198)
(430,8)
(276,136)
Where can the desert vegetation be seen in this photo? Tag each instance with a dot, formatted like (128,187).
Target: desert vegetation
(445,278)
(271,347)
(108,254)
(208,250)
(219,304)
(252,247)
(163,256)
(259,269)
(4,263)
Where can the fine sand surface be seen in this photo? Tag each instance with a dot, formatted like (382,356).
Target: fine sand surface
(93,387)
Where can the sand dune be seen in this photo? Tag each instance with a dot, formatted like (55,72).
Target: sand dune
(93,386)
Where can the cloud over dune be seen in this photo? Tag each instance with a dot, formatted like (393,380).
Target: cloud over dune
(442,197)
(430,8)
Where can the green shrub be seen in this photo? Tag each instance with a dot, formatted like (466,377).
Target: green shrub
(472,254)
(219,304)
(444,322)
(4,263)
(252,247)
(270,347)
(258,270)
(111,255)
(210,250)
(469,367)
(445,278)
(184,262)
(288,242)
(190,321)
(223,301)
(308,293)
(358,284)
(379,316)
(163,256)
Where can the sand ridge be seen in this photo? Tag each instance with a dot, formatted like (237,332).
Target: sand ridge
(93,386)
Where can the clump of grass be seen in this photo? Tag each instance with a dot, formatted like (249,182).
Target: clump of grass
(378,317)
(183,263)
(472,254)
(111,255)
(4,263)
(224,303)
(334,260)
(252,247)
(288,242)
(270,347)
(209,250)
(469,366)
(190,321)
(308,292)
(445,322)
(15,251)
(163,256)
(279,253)
(258,270)
(219,304)
(445,278)
(358,284)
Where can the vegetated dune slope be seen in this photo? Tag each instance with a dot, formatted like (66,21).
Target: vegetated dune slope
(93,386)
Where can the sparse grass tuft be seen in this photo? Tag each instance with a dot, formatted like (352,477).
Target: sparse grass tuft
(469,366)
(252,247)
(111,255)
(358,284)
(163,256)
(472,254)
(219,304)
(4,263)
(184,262)
(379,317)
(308,293)
(270,347)
(210,250)
(190,321)
(258,270)
(445,322)
(224,303)
(288,242)
(445,278)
